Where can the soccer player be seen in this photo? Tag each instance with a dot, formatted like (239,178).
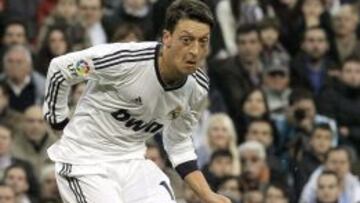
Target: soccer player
(133,91)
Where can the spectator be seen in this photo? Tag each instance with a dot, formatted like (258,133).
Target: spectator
(158,156)
(7,194)
(328,188)
(56,43)
(25,10)
(7,159)
(337,160)
(49,190)
(346,21)
(65,15)
(232,13)
(262,131)
(274,54)
(333,6)
(311,159)
(276,88)
(240,73)
(229,186)
(276,193)
(137,12)
(310,68)
(44,10)
(8,116)
(220,166)
(286,12)
(16,177)
(27,86)
(296,125)
(128,33)
(308,14)
(254,106)
(34,140)
(15,33)
(91,16)
(221,135)
(256,174)
(253,196)
(341,101)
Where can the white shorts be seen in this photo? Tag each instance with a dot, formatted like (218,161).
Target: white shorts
(130,181)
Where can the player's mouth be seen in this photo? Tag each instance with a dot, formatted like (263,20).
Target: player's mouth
(191,63)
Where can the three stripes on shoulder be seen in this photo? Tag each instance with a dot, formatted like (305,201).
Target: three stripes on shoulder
(201,79)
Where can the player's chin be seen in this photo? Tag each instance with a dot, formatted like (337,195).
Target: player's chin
(189,68)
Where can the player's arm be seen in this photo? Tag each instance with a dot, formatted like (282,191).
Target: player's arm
(67,70)
(199,185)
(180,148)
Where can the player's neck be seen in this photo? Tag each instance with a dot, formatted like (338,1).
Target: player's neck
(169,75)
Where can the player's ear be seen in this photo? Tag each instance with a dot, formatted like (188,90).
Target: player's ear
(166,38)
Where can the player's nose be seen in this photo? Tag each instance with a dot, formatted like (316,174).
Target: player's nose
(194,49)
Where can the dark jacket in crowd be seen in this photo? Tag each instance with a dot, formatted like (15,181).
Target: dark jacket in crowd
(145,23)
(232,80)
(301,74)
(304,167)
(342,103)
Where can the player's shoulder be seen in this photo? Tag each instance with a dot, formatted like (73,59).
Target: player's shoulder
(200,81)
(114,54)
(129,49)
(127,45)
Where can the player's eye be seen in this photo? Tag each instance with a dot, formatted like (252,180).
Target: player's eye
(204,42)
(186,40)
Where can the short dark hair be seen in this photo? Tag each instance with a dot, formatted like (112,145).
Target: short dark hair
(280,186)
(339,148)
(328,172)
(16,21)
(314,28)
(261,120)
(352,58)
(300,94)
(322,126)
(188,9)
(221,153)
(269,23)
(246,29)
(125,29)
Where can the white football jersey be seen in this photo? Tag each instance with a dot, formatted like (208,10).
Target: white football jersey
(124,104)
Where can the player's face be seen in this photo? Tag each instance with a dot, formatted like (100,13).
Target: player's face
(187,46)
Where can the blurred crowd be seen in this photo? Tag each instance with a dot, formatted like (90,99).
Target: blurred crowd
(283,117)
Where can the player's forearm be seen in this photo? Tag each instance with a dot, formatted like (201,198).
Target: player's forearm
(57,91)
(198,184)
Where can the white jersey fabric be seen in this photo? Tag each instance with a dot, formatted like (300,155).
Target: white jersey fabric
(124,104)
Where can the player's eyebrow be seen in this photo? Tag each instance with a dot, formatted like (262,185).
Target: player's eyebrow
(188,33)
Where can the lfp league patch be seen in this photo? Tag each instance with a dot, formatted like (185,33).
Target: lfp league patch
(82,68)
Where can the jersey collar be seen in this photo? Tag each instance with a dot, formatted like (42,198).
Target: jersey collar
(156,65)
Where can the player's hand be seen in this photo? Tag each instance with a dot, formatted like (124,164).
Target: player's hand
(216,198)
